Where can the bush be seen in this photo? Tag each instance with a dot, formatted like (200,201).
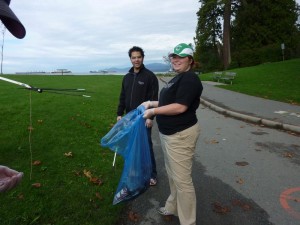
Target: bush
(252,57)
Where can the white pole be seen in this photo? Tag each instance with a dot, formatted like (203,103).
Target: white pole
(114,159)
(15,82)
(38,89)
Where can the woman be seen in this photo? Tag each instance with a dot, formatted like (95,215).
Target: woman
(179,130)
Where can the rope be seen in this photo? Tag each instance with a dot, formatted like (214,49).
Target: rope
(30,130)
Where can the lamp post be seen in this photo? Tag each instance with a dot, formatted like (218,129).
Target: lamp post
(282,48)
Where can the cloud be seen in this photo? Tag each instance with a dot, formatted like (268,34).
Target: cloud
(96,34)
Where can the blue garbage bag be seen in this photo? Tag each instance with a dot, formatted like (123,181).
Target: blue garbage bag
(128,138)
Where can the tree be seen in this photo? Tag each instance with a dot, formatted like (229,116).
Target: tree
(208,35)
(260,27)
(211,36)
(226,34)
(168,61)
(252,32)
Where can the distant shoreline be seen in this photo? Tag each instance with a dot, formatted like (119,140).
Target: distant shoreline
(66,74)
(75,74)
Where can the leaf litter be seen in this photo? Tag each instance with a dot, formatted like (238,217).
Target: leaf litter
(93,179)
(242,163)
(37,163)
(225,209)
(132,216)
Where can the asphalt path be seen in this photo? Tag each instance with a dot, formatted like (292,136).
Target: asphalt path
(250,105)
(243,173)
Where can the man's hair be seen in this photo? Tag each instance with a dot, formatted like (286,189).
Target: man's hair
(136,49)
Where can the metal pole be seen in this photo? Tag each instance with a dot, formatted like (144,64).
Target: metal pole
(15,82)
(282,48)
(51,90)
(2,47)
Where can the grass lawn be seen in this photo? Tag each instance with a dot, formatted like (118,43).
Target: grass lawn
(277,81)
(65,135)
(62,125)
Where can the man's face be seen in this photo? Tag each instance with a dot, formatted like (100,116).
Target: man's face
(136,60)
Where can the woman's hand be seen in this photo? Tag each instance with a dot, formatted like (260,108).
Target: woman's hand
(149,123)
(149,113)
(147,104)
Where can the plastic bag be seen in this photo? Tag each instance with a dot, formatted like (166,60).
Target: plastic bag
(128,138)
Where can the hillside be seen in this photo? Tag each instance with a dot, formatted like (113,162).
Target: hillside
(278,81)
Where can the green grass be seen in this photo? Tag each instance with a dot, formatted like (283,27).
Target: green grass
(61,124)
(277,81)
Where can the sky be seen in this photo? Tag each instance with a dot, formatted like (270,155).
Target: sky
(95,34)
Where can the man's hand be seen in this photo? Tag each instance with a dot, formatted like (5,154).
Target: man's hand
(119,118)
(9,178)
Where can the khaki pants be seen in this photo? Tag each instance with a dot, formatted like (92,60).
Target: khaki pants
(179,149)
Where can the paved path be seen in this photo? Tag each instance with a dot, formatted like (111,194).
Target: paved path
(267,112)
(241,171)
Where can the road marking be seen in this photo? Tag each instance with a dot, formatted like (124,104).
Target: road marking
(286,196)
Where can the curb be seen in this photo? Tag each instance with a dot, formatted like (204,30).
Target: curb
(252,119)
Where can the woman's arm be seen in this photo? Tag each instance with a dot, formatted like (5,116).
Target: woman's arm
(169,110)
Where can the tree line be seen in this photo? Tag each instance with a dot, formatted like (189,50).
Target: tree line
(239,33)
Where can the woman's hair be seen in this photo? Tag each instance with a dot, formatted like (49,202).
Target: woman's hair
(136,49)
(193,61)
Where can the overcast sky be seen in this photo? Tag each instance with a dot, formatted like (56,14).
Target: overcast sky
(96,34)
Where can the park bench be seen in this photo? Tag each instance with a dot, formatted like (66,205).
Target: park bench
(228,77)
(225,77)
(217,76)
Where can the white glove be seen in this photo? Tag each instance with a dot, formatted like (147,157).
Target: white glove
(149,123)
(149,113)
(147,104)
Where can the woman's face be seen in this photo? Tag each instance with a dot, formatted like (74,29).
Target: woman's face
(181,64)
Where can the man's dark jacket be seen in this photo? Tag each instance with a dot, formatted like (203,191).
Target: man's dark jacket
(136,89)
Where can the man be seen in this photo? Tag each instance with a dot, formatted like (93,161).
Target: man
(10,178)
(139,85)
